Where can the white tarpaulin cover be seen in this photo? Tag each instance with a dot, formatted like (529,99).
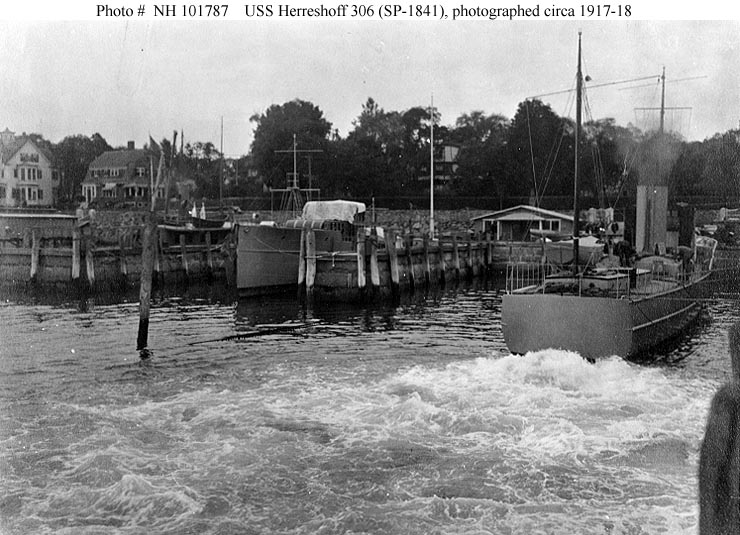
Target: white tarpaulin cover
(337,210)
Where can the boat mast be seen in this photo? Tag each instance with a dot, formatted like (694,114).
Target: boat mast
(662,102)
(431,171)
(579,89)
(221,171)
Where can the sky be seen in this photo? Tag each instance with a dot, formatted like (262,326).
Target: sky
(128,78)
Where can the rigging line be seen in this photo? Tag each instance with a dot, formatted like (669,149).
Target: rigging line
(597,85)
(557,145)
(667,82)
(531,152)
(598,164)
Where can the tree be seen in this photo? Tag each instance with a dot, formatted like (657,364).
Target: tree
(721,173)
(275,130)
(481,160)
(540,152)
(608,151)
(73,155)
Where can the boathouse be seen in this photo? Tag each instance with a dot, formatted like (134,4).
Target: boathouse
(522,223)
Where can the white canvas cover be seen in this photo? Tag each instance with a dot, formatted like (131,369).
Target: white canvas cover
(336,210)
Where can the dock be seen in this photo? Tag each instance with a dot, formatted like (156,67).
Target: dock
(63,250)
(389,265)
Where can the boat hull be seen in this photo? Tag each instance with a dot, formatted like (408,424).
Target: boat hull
(596,327)
(268,256)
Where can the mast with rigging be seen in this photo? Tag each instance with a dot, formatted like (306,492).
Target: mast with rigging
(576,226)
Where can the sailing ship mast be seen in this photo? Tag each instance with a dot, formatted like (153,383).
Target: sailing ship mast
(576,226)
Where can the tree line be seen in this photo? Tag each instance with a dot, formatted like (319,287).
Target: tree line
(386,155)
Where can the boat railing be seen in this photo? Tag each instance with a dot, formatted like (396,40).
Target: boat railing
(527,274)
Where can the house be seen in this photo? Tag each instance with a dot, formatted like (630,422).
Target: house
(121,178)
(27,173)
(523,222)
(445,164)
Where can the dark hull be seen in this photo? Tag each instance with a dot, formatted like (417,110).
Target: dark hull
(268,257)
(597,327)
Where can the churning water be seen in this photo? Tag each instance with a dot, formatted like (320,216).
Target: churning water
(269,416)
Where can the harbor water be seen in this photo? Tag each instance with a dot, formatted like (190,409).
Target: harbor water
(272,416)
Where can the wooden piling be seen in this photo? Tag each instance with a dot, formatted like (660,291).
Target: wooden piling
(489,252)
(122,254)
(361,282)
(441,263)
(209,255)
(409,242)
(302,259)
(390,246)
(75,253)
(310,262)
(427,263)
(145,289)
(470,271)
(184,253)
(456,256)
(35,253)
(159,258)
(374,270)
(90,260)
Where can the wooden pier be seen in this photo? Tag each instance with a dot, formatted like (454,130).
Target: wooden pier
(67,251)
(381,267)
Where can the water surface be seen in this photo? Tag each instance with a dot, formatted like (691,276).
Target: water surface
(271,416)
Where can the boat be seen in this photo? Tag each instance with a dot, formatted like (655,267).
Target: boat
(268,254)
(602,309)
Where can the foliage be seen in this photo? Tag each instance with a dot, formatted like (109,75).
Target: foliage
(387,154)
(540,152)
(275,130)
(72,156)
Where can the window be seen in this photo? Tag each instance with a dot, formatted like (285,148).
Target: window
(23,173)
(41,195)
(550,224)
(3,192)
(15,172)
(40,174)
